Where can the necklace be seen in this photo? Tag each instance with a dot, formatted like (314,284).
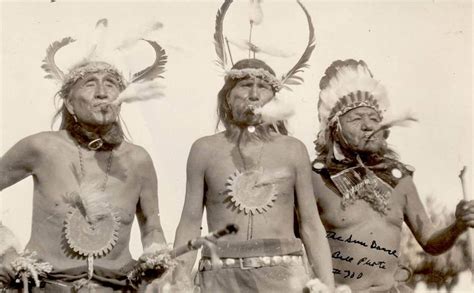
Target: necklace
(91,225)
(107,171)
(248,190)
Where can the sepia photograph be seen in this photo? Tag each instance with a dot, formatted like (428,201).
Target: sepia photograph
(236,146)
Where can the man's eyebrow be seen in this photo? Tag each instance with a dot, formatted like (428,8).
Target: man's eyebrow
(111,78)
(90,77)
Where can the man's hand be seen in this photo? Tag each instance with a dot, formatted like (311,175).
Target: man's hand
(7,274)
(464,215)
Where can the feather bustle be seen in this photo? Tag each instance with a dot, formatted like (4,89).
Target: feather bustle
(219,35)
(290,77)
(49,65)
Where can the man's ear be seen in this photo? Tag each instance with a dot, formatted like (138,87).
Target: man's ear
(69,107)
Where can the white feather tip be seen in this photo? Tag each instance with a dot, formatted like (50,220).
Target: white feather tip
(141,91)
(278,109)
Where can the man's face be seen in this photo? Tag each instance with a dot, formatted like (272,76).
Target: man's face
(356,127)
(90,98)
(248,94)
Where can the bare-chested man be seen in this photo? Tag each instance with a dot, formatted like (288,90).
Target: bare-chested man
(255,176)
(364,193)
(88,184)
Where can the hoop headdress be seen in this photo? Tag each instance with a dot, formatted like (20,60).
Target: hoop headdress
(290,78)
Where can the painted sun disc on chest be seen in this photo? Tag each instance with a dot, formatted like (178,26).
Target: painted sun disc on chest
(248,193)
(87,239)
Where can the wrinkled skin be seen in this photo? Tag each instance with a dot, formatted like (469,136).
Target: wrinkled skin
(90,99)
(356,127)
(248,94)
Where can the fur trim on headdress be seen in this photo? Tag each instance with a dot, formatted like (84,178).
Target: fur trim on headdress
(8,240)
(348,85)
(255,72)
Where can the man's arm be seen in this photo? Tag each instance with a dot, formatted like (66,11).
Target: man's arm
(311,228)
(147,208)
(19,161)
(191,217)
(433,242)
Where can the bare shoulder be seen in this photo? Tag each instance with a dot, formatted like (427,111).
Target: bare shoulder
(206,145)
(293,147)
(406,186)
(317,179)
(134,153)
(43,141)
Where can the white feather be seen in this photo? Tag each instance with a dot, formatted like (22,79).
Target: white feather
(94,201)
(269,50)
(139,34)
(141,91)
(281,107)
(256,13)
(99,39)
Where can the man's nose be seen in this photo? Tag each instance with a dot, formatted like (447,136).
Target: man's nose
(253,96)
(100,92)
(367,125)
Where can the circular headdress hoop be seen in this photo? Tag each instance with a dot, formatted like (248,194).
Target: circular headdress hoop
(290,78)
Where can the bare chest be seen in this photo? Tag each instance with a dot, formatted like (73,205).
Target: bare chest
(261,171)
(62,174)
(336,215)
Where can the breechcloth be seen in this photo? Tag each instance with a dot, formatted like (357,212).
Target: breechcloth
(257,265)
(75,280)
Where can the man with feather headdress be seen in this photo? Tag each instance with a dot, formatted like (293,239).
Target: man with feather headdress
(89,182)
(364,193)
(252,174)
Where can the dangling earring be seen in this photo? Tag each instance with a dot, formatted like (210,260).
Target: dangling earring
(74,117)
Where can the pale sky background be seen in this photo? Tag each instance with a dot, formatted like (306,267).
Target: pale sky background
(421,51)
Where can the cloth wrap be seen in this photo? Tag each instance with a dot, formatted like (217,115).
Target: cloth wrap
(103,280)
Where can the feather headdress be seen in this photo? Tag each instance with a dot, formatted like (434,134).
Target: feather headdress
(347,85)
(290,78)
(141,85)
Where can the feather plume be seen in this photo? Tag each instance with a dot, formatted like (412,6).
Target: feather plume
(219,35)
(157,68)
(256,14)
(246,45)
(291,76)
(91,201)
(140,91)
(279,108)
(139,35)
(98,41)
(49,65)
(403,120)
